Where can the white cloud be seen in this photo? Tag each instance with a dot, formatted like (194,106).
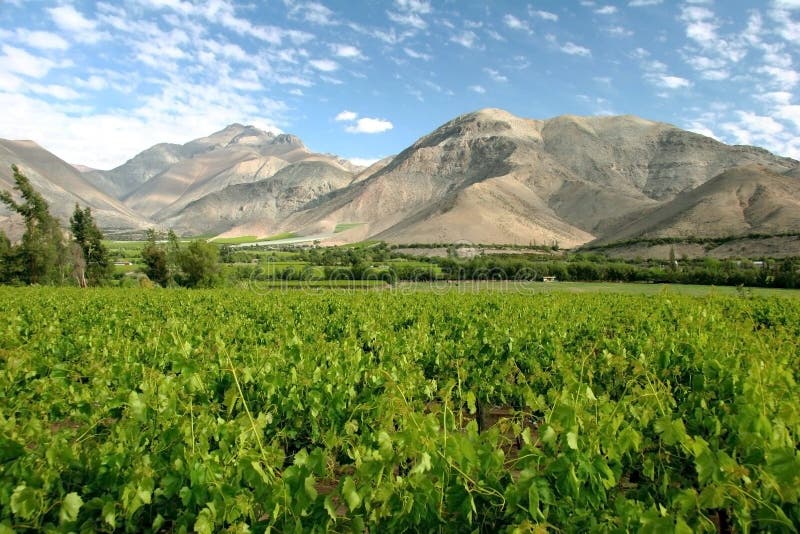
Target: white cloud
(672,82)
(495,75)
(346,115)
(515,23)
(22,62)
(324,65)
(93,82)
(72,21)
(68,18)
(642,3)
(477,89)
(409,13)
(42,40)
(417,55)
(59,92)
(618,31)
(544,15)
(313,12)
(784,78)
(370,125)
(494,35)
(606,10)
(787,4)
(422,7)
(408,19)
(467,39)
(346,51)
(575,50)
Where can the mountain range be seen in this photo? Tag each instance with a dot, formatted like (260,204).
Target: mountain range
(483,177)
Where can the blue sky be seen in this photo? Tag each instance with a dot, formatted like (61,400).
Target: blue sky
(97,82)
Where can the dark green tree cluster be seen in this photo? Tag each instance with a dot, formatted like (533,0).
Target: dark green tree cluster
(44,256)
(92,265)
(166,263)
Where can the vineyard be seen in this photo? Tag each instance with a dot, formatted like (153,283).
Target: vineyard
(208,411)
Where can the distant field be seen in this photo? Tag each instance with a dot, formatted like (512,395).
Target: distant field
(235,240)
(595,287)
(342,227)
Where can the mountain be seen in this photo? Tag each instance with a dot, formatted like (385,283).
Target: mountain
(483,177)
(235,155)
(490,176)
(62,185)
(267,201)
(744,200)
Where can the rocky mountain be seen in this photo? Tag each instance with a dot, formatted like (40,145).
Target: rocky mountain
(740,201)
(263,204)
(492,177)
(235,155)
(62,185)
(484,177)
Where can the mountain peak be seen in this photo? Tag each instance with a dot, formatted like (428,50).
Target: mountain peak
(287,139)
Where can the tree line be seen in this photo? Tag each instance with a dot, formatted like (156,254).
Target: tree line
(47,255)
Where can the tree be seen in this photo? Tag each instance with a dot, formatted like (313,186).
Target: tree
(155,260)
(199,264)
(6,257)
(42,255)
(96,264)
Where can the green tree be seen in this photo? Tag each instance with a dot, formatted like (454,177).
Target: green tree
(6,257)
(199,263)
(155,260)
(90,240)
(42,255)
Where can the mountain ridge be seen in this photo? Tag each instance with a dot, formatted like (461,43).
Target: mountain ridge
(484,176)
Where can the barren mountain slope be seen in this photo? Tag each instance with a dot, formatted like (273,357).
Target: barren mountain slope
(266,202)
(236,155)
(63,186)
(491,175)
(744,200)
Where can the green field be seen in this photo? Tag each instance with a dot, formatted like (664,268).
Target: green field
(234,240)
(343,227)
(387,411)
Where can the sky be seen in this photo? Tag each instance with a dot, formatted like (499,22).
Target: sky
(97,82)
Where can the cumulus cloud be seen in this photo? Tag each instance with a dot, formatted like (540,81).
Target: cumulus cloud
(515,23)
(42,40)
(346,115)
(369,125)
(80,28)
(346,51)
(575,50)
(495,75)
(672,82)
(467,39)
(410,13)
(606,10)
(324,65)
(23,62)
(477,89)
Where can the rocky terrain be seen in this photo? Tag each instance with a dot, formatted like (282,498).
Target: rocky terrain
(484,177)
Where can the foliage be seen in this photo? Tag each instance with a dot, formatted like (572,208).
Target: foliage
(154,257)
(41,258)
(90,240)
(367,412)
(199,264)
